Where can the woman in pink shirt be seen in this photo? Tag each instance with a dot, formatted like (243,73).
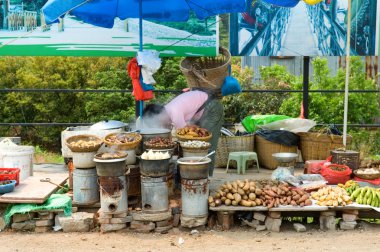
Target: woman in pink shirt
(200,107)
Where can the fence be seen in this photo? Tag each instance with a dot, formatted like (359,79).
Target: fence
(22,20)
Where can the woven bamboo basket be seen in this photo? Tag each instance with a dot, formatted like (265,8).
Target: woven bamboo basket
(265,149)
(206,72)
(70,142)
(184,139)
(227,144)
(124,146)
(317,146)
(367,176)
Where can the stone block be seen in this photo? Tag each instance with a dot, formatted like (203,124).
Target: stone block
(261,228)
(191,222)
(77,222)
(259,216)
(299,227)
(349,217)
(140,216)
(163,223)
(46,215)
(23,217)
(104,221)
(347,225)
(43,229)
(327,223)
(253,223)
(120,215)
(142,226)
(273,224)
(121,220)
(44,223)
(104,215)
(111,227)
(163,230)
(29,225)
(274,215)
(328,213)
(3,225)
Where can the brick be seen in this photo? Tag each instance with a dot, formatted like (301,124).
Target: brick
(43,229)
(24,226)
(349,217)
(328,213)
(44,223)
(327,223)
(273,224)
(226,220)
(253,223)
(259,216)
(23,217)
(121,220)
(299,227)
(142,226)
(112,227)
(176,219)
(261,228)
(211,222)
(275,215)
(347,225)
(104,215)
(104,220)
(46,215)
(191,222)
(77,222)
(120,215)
(154,217)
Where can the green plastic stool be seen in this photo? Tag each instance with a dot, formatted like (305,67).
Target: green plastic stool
(241,158)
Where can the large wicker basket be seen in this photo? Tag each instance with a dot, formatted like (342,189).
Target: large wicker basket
(317,146)
(265,149)
(71,143)
(227,144)
(206,72)
(124,146)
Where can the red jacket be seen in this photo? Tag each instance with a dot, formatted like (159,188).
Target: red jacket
(134,72)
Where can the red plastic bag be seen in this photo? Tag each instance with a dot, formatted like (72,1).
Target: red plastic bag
(335,173)
(134,72)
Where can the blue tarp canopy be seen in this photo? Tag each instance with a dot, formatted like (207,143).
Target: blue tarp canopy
(103,12)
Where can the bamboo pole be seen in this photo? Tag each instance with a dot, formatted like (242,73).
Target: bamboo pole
(348,48)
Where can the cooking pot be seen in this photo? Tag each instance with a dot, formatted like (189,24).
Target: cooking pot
(155,168)
(149,133)
(190,168)
(110,167)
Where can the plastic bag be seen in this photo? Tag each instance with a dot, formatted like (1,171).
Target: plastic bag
(251,123)
(281,174)
(294,125)
(230,86)
(335,173)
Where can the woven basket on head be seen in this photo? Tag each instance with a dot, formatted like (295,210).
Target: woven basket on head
(317,146)
(206,72)
(227,144)
(265,149)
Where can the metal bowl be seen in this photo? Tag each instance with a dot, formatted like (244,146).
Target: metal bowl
(285,157)
(154,168)
(190,168)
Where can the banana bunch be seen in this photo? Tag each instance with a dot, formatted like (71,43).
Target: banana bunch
(367,196)
(350,186)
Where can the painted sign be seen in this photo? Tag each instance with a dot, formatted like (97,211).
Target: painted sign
(304,30)
(23,33)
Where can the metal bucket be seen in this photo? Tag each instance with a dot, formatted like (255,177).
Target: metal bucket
(193,152)
(193,170)
(194,197)
(113,194)
(110,167)
(84,159)
(85,186)
(149,133)
(154,168)
(154,194)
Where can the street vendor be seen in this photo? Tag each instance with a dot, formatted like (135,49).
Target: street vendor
(201,107)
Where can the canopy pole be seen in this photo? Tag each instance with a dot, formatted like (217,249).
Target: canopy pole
(141,103)
(348,49)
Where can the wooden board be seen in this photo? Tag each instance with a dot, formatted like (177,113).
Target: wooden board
(32,190)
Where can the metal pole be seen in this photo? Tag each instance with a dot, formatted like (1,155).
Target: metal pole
(305,89)
(140,104)
(348,48)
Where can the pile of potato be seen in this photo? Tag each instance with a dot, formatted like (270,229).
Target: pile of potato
(251,193)
(331,196)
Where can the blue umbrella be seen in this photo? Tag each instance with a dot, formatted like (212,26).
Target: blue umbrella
(103,12)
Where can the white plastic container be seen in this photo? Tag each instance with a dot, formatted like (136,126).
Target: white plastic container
(18,157)
(84,160)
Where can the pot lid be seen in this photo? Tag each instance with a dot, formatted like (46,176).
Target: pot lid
(107,125)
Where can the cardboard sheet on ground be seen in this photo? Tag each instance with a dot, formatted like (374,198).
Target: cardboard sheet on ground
(32,190)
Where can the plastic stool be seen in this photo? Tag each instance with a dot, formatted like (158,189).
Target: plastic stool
(249,155)
(241,158)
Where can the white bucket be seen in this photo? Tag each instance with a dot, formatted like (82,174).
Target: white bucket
(18,157)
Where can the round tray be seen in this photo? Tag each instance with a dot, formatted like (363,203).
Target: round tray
(205,139)
(124,146)
(367,176)
(93,148)
(163,147)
